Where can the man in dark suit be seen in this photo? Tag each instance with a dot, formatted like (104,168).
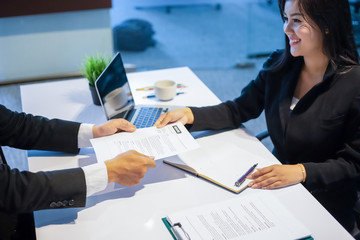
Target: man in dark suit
(23,192)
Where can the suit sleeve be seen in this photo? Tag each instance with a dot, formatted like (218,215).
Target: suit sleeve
(232,114)
(26,131)
(27,191)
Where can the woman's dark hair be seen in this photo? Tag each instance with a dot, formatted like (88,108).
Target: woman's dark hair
(333,18)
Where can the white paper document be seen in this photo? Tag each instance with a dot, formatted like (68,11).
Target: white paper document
(158,142)
(257,216)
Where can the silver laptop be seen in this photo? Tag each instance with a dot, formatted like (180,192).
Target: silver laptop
(115,96)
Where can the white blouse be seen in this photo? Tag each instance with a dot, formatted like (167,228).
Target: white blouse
(294,101)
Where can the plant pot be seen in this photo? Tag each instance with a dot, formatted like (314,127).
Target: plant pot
(94,95)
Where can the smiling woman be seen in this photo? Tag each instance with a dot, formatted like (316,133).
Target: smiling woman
(310,92)
(304,36)
(336,32)
(305,39)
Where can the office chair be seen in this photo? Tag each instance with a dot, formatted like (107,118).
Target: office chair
(262,135)
(355,4)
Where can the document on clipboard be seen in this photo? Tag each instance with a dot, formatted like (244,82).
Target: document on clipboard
(257,216)
(220,161)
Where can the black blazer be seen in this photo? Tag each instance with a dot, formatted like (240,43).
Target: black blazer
(26,191)
(322,131)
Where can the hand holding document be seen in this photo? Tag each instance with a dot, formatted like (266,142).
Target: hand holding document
(158,142)
(256,216)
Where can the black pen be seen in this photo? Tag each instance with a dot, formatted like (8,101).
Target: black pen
(243,177)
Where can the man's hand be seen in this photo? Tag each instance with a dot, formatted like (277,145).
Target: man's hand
(113,126)
(129,168)
(183,115)
(277,176)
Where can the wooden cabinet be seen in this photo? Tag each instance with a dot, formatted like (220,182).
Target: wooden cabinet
(43,39)
(11,8)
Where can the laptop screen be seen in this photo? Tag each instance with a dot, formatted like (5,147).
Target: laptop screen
(113,89)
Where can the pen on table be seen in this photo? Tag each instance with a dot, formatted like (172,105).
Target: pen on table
(152,88)
(243,177)
(152,96)
(145,89)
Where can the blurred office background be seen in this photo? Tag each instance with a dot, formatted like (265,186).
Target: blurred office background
(223,42)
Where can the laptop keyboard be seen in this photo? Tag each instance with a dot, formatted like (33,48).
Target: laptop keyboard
(147,116)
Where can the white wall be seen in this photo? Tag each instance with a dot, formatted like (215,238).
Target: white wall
(47,45)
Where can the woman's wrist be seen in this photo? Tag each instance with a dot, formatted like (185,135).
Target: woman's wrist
(190,116)
(303,171)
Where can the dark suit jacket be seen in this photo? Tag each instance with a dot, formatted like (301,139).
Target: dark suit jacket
(322,131)
(25,191)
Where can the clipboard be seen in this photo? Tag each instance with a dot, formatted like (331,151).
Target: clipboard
(263,211)
(168,227)
(175,233)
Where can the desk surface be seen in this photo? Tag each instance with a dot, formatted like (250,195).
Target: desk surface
(136,212)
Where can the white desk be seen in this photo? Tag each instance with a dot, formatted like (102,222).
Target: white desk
(136,212)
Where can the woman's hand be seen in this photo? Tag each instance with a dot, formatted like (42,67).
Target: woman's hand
(113,126)
(183,115)
(277,176)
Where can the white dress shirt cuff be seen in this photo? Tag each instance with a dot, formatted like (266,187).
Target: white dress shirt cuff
(84,135)
(96,178)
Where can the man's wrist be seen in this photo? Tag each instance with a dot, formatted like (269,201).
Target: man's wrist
(84,135)
(110,174)
(96,178)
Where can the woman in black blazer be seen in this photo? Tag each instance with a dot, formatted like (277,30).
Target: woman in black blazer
(310,93)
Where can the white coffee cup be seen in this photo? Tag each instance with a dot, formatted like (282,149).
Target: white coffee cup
(165,90)
(116,98)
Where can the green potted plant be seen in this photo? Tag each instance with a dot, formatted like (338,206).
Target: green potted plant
(93,66)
